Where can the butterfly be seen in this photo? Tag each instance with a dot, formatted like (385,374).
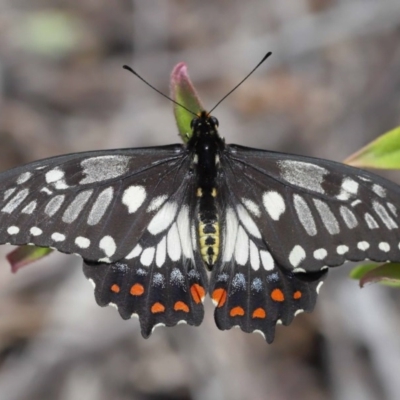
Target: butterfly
(149,223)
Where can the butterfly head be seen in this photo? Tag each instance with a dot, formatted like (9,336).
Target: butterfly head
(204,124)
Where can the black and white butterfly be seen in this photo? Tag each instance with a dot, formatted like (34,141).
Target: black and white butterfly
(149,221)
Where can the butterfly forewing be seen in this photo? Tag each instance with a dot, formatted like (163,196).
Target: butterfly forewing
(313,213)
(96,204)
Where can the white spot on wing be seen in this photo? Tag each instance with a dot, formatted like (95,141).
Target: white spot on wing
(173,243)
(304,214)
(193,236)
(46,190)
(267,260)
(384,246)
(257,285)
(135,252)
(54,175)
(58,237)
(242,247)
(319,287)
(238,282)
(134,197)
(100,168)
(8,193)
(342,249)
(163,219)
(13,230)
(24,177)
(320,254)
(231,229)
(30,208)
(303,174)
(100,206)
(147,256)
(156,203)
(349,188)
(76,206)
(183,225)
(248,222)
(158,280)
(363,245)
(384,215)
(259,332)
(297,255)
(348,217)
(392,208)
(107,244)
(330,222)
(15,201)
(161,253)
(254,256)
(54,204)
(252,207)
(177,278)
(160,324)
(369,219)
(379,190)
(82,242)
(356,202)
(35,231)
(274,204)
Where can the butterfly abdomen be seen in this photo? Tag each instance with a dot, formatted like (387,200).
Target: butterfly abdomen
(209,228)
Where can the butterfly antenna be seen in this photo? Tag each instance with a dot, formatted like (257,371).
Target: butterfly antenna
(158,91)
(231,91)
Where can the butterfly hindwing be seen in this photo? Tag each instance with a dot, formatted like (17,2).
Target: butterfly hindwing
(248,286)
(165,296)
(256,301)
(162,280)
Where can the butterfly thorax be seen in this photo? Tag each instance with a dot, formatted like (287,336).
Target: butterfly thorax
(206,145)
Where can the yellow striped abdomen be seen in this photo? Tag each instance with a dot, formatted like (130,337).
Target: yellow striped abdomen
(209,241)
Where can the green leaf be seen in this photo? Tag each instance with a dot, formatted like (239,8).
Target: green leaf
(360,270)
(386,274)
(25,255)
(183,92)
(384,152)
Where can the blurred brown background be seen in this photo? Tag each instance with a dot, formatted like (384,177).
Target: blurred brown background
(331,86)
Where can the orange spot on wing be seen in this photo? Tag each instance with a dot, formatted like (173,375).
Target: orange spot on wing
(259,313)
(181,306)
(157,308)
(137,289)
(115,288)
(236,311)
(297,295)
(277,295)
(197,293)
(219,296)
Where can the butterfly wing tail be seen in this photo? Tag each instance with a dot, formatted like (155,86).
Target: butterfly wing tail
(157,298)
(256,301)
